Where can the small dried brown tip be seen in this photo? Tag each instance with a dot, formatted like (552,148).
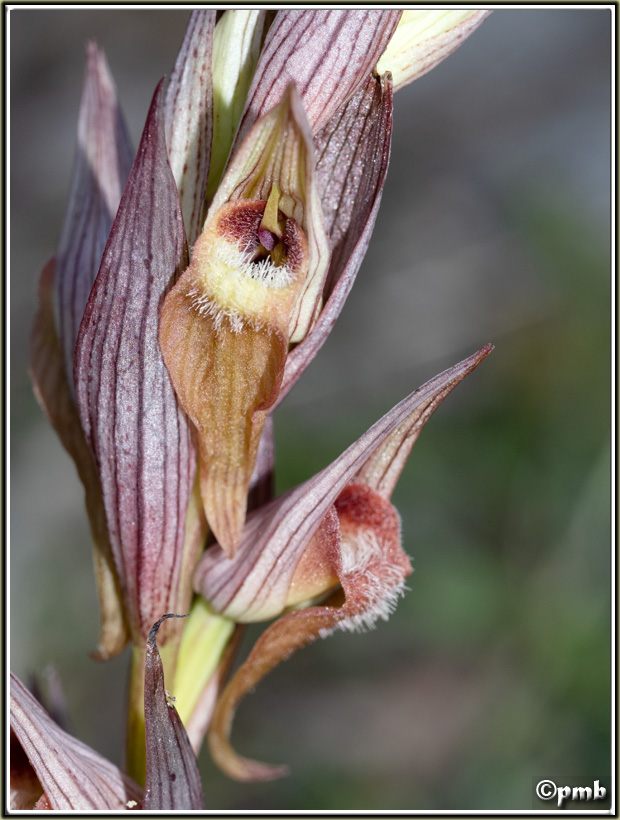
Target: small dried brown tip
(152,638)
(479,356)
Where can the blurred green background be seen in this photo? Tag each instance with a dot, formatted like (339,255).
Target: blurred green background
(495,226)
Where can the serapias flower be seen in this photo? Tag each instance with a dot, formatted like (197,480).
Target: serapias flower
(50,769)
(226,326)
(334,538)
(257,281)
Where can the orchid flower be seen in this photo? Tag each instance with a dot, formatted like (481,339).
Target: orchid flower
(335,534)
(190,290)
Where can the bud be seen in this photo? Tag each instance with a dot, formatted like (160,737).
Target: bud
(423,39)
(236,48)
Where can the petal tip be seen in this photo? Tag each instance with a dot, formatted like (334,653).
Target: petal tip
(481,354)
(241,768)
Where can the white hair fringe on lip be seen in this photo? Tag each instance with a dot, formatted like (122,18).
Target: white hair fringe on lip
(262,271)
(206,306)
(380,590)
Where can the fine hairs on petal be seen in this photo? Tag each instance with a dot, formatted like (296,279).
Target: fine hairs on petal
(206,306)
(226,255)
(378,582)
(263,270)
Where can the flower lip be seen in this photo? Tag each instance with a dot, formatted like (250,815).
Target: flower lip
(240,279)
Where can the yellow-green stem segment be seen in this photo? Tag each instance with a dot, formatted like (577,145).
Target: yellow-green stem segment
(189,665)
(204,640)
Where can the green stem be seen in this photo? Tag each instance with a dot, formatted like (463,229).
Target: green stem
(205,638)
(135,746)
(189,662)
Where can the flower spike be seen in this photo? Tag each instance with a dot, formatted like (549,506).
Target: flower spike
(172,321)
